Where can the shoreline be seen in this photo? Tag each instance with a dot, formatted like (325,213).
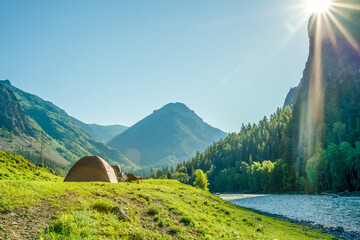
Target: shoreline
(334,231)
(334,194)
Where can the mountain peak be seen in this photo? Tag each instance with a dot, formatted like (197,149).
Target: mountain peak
(5,82)
(175,110)
(170,135)
(174,107)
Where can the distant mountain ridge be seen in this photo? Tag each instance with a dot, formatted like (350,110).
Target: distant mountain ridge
(106,133)
(168,136)
(61,132)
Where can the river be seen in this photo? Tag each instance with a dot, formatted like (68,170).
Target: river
(324,210)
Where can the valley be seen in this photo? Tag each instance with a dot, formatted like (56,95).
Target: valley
(152,71)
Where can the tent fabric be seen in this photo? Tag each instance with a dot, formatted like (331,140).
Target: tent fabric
(91,169)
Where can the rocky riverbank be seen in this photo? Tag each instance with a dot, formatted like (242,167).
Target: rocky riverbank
(342,194)
(335,231)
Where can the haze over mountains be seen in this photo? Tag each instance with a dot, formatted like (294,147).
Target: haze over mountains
(60,132)
(168,136)
(106,133)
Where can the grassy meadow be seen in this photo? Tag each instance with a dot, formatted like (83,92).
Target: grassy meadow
(158,209)
(35,204)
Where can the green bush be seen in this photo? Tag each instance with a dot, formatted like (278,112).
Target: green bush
(187,220)
(138,234)
(201,231)
(144,196)
(201,180)
(102,205)
(175,229)
(248,222)
(161,223)
(153,210)
(65,224)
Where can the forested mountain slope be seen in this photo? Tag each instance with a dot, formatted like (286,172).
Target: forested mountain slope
(61,132)
(12,116)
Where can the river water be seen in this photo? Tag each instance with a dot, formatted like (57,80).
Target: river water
(325,210)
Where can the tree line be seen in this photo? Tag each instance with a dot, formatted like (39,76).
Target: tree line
(277,155)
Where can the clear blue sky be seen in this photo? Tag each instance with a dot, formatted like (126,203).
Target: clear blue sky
(114,62)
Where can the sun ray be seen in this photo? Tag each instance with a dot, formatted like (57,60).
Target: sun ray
(346,5)
(314,104)
(317,68)
(287,39)
(300,18)
(312,23)
(326,23)
(303,5)
(302,14)
(344,32)
(330,31)
(340,13)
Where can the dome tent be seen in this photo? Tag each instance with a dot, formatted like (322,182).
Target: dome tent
(91,169)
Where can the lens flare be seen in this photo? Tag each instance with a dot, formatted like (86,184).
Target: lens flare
(318,6)
(325,25)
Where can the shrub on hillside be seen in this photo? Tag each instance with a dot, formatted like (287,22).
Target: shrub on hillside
(201,180)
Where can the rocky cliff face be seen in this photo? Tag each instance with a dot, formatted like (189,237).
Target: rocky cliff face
(291,97)
(334,53)
(12,116)
(329,91)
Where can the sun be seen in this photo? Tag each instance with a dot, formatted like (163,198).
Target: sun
(318,6)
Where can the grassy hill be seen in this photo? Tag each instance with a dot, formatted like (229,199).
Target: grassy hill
(157,209)
(35,204)
(17,168)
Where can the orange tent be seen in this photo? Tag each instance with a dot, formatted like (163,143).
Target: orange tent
(91,169)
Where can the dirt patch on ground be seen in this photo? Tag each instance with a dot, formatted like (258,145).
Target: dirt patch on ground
(25,223)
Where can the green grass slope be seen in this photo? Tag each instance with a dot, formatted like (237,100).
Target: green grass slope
(17,168)
(157,209)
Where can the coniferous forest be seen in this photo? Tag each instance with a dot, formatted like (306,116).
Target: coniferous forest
(275,155)
(312,144)
(265,157)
